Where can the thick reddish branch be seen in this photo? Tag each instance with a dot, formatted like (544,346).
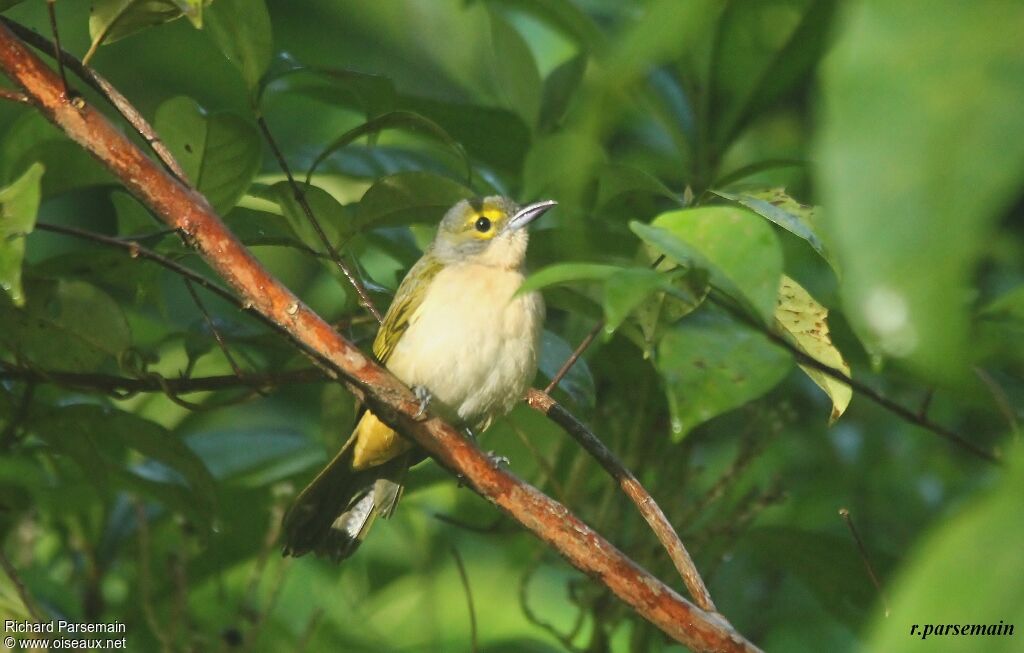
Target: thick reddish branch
(189,212)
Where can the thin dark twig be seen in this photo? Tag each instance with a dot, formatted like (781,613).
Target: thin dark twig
(213,328)
(723,301)
(52,10)
(575,356)
(862,550)
(645,503)
(300,197)
(14,96)
(99,83)
(585,343)
(109,383)
(19,586)
(474,644)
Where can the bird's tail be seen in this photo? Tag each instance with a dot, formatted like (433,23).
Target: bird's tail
(332,516)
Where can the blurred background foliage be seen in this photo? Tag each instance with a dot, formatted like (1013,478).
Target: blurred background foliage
(706,131)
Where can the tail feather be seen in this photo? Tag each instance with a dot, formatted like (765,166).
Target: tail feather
(333,514)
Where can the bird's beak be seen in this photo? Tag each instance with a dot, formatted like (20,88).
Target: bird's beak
(529,213)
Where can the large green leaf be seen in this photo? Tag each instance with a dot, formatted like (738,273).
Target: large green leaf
(241,29)
(65,325)
(562,273)
(515,72)
(370,94)
(917,157)
(560,88)
(776,205)
(407,120)
(828,565)
(96,438)
(335,219)
(712,364)
(19,204)
(739,251)
(975,554)
(220,152)
(763,48)
(112,20)
(31,139)
(409,197)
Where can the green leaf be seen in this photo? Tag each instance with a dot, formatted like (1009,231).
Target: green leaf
(112,20)
(407,198)
(406,120)
(514,70)
(96,437)
(626,289)
(7,4)
(915,164)
(255,456)
(983,540)
(659,311)
(373,95)
(564,273)
(560,88)
(712,364)
(336,220)
(775,205)
(828,565)
(764,48)
(19,203)
(578,382)
(495,136)
(241,30)
(220,152)
(32,139)
(739,251)
(617,180)
(805,322)
(66,325)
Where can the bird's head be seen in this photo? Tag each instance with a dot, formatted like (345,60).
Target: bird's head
(488,231)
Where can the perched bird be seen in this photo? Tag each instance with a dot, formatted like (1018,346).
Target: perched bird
(458,335)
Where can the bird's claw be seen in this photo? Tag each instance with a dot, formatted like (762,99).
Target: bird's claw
(423,396)
(498,459)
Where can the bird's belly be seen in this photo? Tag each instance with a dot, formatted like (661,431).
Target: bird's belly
(472,344)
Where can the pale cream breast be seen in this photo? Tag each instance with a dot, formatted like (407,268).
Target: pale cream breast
(471,343)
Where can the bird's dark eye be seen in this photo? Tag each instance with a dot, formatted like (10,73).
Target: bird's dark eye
(483,225)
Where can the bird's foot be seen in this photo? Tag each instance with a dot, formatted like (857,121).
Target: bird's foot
(498,459)
(424,397)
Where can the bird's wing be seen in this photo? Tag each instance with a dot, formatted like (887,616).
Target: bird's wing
(410,295)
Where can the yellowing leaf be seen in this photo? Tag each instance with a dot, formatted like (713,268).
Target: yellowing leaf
(804,321)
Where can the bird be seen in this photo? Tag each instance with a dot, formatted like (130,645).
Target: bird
(461,336)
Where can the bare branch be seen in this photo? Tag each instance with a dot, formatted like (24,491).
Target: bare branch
(652,514)
(181,207)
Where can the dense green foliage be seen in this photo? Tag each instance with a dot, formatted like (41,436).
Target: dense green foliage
(707,132)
